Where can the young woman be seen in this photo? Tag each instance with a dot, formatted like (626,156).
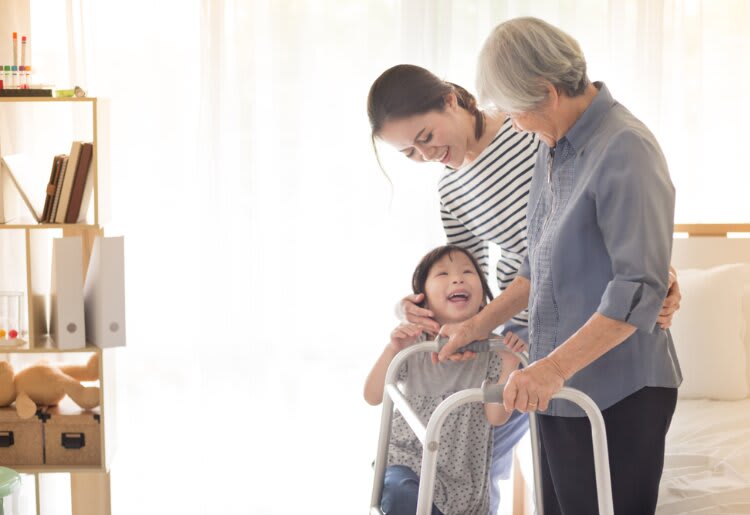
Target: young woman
(484,191)
(455,290)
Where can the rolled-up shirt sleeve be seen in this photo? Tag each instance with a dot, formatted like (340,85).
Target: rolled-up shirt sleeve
(634,208)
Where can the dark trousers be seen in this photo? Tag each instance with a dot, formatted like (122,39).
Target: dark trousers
(400,489)
(636,429)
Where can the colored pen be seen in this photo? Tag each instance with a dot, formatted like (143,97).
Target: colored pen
(23,51)
(15,49)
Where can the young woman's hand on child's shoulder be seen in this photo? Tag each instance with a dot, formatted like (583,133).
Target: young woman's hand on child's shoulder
(408,309)
(404,335)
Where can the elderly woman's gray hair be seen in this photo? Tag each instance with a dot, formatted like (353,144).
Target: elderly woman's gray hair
(520,56)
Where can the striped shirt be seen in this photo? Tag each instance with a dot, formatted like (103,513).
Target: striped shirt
(486,201)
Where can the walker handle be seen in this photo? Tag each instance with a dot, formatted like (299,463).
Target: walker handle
(475,346)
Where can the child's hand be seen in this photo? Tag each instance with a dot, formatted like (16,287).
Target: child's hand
(404,335)
(514,343)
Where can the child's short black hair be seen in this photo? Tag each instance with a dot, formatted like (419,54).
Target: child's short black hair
(419,278)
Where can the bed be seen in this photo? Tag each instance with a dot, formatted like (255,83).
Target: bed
(707,458)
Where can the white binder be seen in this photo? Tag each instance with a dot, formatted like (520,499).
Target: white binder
(67,326)
(104,293)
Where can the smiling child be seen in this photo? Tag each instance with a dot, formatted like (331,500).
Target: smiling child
(454,290)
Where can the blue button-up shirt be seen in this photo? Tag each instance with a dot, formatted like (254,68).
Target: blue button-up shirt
(601,214)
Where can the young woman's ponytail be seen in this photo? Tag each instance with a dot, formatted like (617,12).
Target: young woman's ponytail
(468,102)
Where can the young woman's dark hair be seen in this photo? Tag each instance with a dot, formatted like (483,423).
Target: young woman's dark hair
(405,90)
(419,278)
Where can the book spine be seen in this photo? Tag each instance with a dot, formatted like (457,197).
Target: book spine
(79,183)
(67,184)
(56,200)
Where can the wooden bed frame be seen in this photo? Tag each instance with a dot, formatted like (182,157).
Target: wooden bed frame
(721,230)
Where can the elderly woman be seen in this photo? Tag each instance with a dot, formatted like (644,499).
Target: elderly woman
(600,224)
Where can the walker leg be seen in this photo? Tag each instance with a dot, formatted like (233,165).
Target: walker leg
(537,462)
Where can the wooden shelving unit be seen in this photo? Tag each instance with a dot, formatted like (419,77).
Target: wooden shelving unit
(90,488)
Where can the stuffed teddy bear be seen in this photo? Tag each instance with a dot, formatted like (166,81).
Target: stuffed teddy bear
(43,384)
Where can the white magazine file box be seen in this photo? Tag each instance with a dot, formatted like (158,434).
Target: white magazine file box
(104,293)
(67,326)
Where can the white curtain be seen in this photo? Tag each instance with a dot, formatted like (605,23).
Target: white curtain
(265,248)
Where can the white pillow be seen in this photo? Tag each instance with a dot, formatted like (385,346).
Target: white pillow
(709,332)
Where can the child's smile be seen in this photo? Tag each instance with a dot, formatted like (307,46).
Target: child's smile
(459,296)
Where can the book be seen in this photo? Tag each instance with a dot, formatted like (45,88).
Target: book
(56,199)
(67,184)
(67,323)
(87,191)
(104,293)
(51,187)
(80,183)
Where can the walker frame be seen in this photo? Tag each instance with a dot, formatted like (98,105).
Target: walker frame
(429,435)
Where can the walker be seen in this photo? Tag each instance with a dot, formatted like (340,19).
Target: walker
(429,436)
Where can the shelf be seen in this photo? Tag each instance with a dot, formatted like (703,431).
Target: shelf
(18,343)
(25,178)
(47,350)
(47,347)
(47,99)
(31,224)
(51,469)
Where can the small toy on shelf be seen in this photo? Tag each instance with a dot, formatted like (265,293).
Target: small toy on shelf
(43,384)
(10,318)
